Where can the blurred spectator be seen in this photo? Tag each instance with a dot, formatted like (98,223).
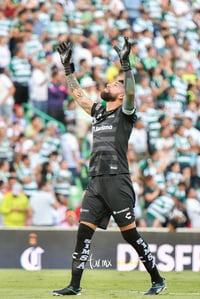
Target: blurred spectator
(154,10)
(159,84)
(55,158)
(34,154)
(159,211)
(21,147)
(20,71)
(83,60)
(139,139)
(173,105)
(192,91)
(151,60)
(15,207)
(133,9)
(33,48)
(188,177)
(70,114)
(184,146)
(6,97)
(5,148)
(46,173)
(63,180)
(185,54)
(169,16)
(189,130)
(4,170)
(173,176)
(180,85)
(5,54)
(70,152)
(57,25)
(43,205)
(182,11)
(60,213)
(12,179)
(43,14)
(89,86)
(133,165)
(19,117)
(57,94)
(193,208)
(39,86)
(150,193)
(5,25)
(144,92)
(193,107)
(179,211)
(84,69)
(13,132)
(113,70)
(19,24)
(155,165)
(83,120)
(27,175)
(135,60)
(165,145)
(71,220)
(38,25)
(34,129)
(143,20)
(50,141)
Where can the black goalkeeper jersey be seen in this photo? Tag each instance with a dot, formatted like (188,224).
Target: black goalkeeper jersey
(111,131)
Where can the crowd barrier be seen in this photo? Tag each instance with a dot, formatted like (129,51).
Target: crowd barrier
(51,248)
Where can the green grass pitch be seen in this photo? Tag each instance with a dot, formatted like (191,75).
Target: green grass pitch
(96,284)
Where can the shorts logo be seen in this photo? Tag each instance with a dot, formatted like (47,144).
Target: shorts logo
(128,215)
(121,211)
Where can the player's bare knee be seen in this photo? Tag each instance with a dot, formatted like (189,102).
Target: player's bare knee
(91,225)
(127,227)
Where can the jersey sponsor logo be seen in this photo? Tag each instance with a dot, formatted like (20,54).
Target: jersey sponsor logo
(84,210)
(113,167)
(102,128)
(121,211)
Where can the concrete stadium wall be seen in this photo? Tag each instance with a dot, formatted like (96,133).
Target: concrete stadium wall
(34,249)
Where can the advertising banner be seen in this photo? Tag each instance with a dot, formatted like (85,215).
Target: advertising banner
(35,249)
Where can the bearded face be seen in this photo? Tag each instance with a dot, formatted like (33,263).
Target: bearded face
(107,96)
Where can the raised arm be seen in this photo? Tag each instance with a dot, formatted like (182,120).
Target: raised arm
(65,51)
(129,82)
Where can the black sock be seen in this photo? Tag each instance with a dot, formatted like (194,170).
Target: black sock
(133,238)
(81,254)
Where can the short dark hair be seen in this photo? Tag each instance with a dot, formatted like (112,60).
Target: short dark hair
(42,183)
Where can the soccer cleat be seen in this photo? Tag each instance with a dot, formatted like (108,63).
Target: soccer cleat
(67,291)
(156,288)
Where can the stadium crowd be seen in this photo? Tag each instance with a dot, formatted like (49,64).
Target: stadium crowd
(43,169)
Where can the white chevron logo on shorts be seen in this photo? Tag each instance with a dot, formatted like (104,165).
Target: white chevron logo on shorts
(128,215)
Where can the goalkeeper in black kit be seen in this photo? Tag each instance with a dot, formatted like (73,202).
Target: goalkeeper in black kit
(110,191)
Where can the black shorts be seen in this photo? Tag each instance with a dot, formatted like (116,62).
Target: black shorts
(109,195)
